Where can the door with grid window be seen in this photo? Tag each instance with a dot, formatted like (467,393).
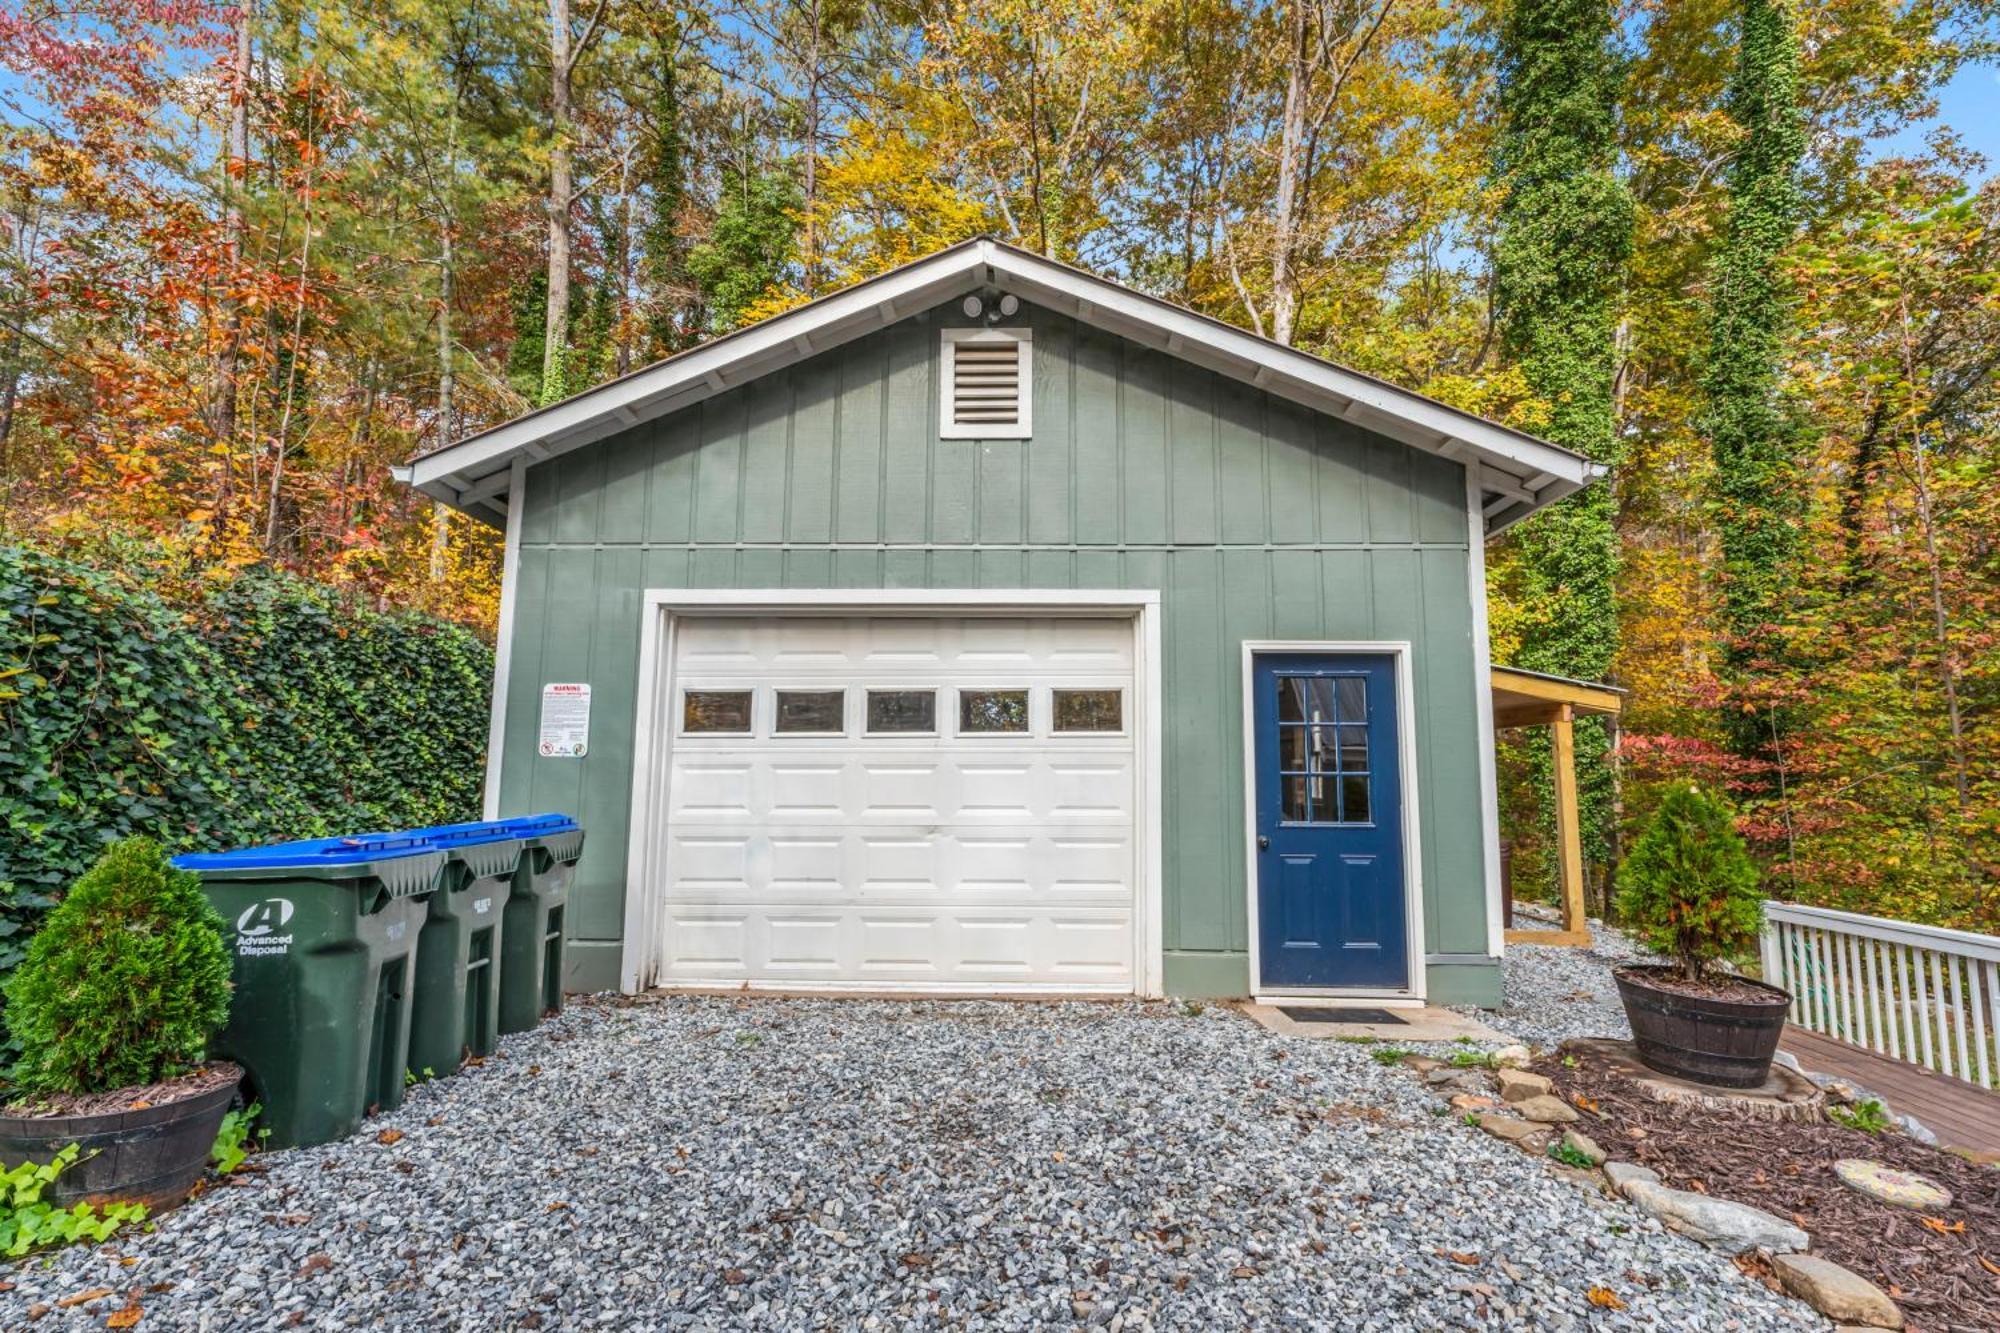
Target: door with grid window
(1331,909)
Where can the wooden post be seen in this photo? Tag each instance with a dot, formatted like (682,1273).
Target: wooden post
(1569,836)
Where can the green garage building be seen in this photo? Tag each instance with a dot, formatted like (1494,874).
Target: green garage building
(989,627)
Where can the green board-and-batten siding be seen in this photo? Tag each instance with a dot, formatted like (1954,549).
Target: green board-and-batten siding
(1253,517)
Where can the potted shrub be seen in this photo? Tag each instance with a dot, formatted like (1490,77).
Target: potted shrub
(1690,890)
(112,1011)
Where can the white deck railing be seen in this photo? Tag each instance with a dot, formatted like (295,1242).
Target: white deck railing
(1918,993)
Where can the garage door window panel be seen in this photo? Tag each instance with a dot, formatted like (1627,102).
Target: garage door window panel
(902,712)
(1101,712)
(811,712)
(716,712)
(993,712)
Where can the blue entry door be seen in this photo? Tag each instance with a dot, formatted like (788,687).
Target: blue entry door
(1331,909)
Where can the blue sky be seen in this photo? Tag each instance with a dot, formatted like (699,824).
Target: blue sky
(1969,104)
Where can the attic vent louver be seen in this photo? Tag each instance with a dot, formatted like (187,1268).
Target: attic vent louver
(986,384)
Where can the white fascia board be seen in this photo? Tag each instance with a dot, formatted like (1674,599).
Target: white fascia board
(462,474)
(1244,353)
(719,364)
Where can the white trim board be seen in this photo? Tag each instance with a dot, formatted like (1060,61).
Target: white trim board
(1520,472)
(1482,706)
(1413,871)
(661,608)
(503,635)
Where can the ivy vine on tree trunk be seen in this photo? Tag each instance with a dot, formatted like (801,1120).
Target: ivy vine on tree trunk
(1565,235)
(1759,505)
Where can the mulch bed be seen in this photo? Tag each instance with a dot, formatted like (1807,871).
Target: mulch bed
(1943,1269)
(191,1084)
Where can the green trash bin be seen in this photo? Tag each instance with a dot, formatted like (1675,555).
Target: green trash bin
(322,936)
(531,941)
(455,1011)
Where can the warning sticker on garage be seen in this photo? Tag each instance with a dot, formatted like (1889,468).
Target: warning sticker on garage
(565,721)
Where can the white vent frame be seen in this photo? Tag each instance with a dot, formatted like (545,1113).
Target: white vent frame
(1022,427)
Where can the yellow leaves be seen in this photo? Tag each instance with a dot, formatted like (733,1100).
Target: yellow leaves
(1944,1228)
(1604,1298)
(389,1138)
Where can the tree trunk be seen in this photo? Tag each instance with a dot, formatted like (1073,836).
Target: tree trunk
(1291,151)
(235,180)
(447,390)
(555,328)
(810,246)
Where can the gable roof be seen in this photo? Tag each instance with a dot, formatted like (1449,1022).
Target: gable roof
(1517,473)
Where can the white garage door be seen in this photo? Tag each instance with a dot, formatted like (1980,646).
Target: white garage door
(901,802)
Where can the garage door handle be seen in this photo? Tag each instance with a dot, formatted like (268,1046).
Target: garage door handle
(1263,843)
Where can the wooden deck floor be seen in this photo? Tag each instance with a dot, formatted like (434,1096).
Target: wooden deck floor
(1961,1114)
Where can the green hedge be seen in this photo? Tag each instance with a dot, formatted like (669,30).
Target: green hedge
(270,708)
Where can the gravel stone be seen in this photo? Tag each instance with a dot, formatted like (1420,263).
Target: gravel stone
(1553,994)
(708,1163)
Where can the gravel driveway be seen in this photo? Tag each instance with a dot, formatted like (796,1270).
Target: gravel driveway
(698,1163)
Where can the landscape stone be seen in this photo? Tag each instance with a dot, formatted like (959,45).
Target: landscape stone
(1510,1129)
(1836,1292)
(1515,1055)
(1622,1174)
(1885,1184)
(1581,1143)
(1917,1130)
(1456,1080)
(1472,1101)
(1548,1110)
(1721,1224)
(1423,1064)
(1576,1175)
(1517,1085)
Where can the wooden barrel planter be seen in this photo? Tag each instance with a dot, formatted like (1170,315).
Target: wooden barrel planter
(1726,1043)
(152,1155)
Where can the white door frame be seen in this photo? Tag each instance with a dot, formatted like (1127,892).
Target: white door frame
(1413,870)
(662,608)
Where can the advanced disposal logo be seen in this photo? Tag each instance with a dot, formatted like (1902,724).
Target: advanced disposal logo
(257,930)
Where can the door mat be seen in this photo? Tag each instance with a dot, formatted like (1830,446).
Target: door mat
(1301,1015)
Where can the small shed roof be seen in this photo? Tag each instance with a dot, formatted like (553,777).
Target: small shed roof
(1531,698)
(1517,472)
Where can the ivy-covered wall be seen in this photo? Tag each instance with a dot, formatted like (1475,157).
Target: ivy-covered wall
(267,708)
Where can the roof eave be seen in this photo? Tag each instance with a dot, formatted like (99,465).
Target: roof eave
(1518,472)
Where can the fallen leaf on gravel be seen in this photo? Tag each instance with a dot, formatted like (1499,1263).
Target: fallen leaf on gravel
(315,1263)
(126,1316)
(916,1260)
(434,1121)
(556,1207)
(407,1168)
(1243,1270)
(38,1309)
(1460,1257)
(1180,1281)
(735,1277)
(160,1287)
(83,1297)
(534,1069)
(1604,1298)
(388,1138)
(1984,1263)
(6,1286)
(1055,1156)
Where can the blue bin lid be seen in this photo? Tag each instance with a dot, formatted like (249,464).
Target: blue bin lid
(311,852)
(463,835)
(541,826)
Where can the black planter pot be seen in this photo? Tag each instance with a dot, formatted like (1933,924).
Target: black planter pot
(1724,1043)
(151,1156)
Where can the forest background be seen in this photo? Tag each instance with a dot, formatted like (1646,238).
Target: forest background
(251,256)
